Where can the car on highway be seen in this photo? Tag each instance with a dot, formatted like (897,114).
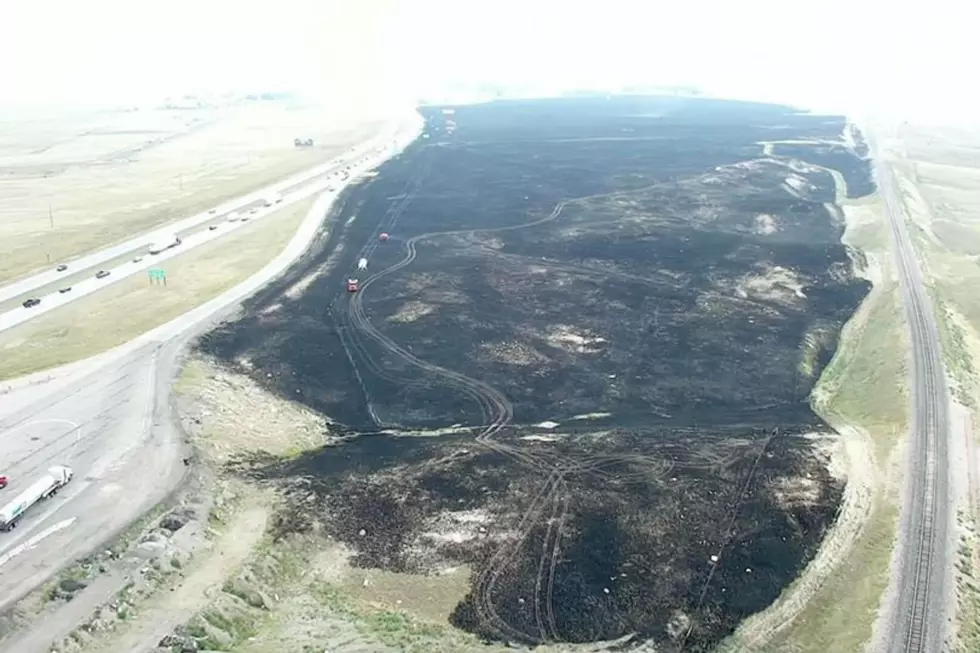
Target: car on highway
(137,259)
(62,268)
(64,290)
(33,301)
(212,227)
(212,211)
(3,482)
(101,274)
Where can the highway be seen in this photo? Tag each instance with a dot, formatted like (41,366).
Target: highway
(26,286)
(109,418)
(922,580)
(122,262)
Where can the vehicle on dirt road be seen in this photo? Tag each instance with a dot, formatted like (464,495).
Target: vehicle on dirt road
(65,289)
(47,486)
(353,285)
(101,274)
(30,303)
(61,268)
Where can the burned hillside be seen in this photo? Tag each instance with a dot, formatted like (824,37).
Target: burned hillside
(584,358)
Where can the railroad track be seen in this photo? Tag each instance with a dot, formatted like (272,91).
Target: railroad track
(918,622)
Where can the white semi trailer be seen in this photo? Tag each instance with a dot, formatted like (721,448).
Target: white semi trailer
(171,241)
(46,486)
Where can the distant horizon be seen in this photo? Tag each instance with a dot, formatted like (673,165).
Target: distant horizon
(459,95)
(843,57)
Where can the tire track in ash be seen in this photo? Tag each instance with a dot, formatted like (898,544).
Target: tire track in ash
(346,332)
(487,579)
(498,412)
(349,330)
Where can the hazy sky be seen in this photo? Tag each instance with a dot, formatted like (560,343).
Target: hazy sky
(911,58)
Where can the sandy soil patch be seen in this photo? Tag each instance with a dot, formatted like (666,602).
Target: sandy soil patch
(777,284)
(565,337)
(220,399)
(510,353)
(411,311)
(766,224)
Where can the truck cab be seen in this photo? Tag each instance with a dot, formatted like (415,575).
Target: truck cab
(353,285)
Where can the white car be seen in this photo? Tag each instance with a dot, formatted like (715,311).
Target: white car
(137,259)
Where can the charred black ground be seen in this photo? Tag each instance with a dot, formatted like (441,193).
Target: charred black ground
(621,306)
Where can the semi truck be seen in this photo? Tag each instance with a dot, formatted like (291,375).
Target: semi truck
(48,485)
(161,245)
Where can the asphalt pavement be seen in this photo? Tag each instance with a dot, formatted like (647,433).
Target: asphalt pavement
(109,418)
(122,265)
(922,580)
(318,175)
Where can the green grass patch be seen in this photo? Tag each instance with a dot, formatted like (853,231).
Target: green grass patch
(866,383)
(396,629)
(956,352)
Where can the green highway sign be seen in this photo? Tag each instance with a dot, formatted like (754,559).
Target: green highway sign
(157,275)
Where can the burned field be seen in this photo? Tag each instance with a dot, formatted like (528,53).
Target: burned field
(584,359)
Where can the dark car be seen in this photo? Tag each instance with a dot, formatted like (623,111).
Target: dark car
(101,274)
(33,301)
(62,267)
(212,227)
(65,289)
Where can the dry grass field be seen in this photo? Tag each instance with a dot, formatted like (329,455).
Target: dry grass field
(71,184)
(133,306)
